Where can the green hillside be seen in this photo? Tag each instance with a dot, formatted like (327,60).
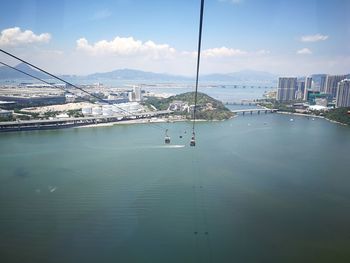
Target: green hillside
(340,115)
(208,108)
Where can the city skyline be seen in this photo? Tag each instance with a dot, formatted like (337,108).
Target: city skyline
(282,37)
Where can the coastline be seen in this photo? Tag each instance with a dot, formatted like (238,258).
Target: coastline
(109,124)
(137,121)
(311,115)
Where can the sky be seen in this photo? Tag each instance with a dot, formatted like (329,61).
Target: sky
(291,38)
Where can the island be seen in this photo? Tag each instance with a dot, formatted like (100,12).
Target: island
(208,108)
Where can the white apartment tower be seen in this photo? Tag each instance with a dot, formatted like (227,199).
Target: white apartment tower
(138,94)
(332,84)
(343,94)
(308,83)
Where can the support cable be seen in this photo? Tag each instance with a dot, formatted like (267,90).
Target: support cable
(198,62)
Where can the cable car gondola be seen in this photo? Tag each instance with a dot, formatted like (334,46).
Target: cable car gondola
(167,137)
(193,141)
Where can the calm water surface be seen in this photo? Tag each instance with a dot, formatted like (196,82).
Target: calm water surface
(255,189)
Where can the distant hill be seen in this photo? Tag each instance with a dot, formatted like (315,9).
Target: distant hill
(242,76)
(250,76)
(246,76)
(8,73)
(132,74)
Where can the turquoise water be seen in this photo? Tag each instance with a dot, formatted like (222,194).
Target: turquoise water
(254,189)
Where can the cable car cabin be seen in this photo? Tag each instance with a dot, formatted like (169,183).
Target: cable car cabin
(167,139)
(193,141)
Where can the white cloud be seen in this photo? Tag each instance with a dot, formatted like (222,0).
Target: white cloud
(313,38)
(304,51)
(15,37)
(126,46)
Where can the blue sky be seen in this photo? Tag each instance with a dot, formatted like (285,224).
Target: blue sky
(283,37)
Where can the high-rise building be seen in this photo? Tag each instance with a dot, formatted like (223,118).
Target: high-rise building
(299,95)
(135,94)
(138,94)
(323,83)
(286,89)
(318,82)
(332,84)
(343,94)
(308,83)
(131,96)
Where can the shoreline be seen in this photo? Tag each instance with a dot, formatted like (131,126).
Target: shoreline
(310,115)
(137,121)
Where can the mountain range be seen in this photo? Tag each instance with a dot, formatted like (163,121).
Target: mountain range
(10,74)
(248,76)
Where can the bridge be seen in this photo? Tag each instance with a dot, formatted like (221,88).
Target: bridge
(242,102)
(265,110)
(74,122)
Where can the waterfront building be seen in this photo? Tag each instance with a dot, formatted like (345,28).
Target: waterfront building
(318,82)
(311,95)
(286,89)
(135,94)
(323,83)
(308,83)
(321,102)
(299,95)
(138,94)
(332,84)
(318,108)
(343,94)
(131,96)
(5,113)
